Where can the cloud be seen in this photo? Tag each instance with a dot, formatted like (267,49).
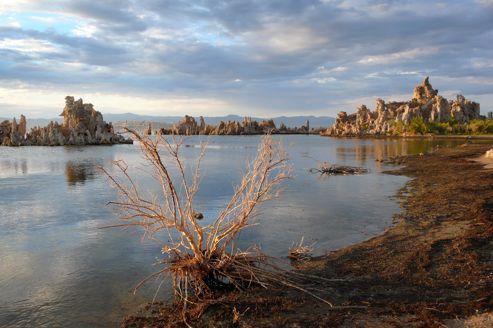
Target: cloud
(9,6)
(50,101)
(285,38)
(27,46)
(417,53)
(485,2)
(247,57)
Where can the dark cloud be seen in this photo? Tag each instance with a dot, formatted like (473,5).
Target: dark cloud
(113,15)
(280,55)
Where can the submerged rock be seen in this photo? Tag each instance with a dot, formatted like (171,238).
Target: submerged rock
(82,125)
(388,118)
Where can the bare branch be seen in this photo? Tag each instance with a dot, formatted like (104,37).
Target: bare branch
(204,257)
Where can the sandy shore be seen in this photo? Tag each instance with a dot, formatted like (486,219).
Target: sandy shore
(434,267)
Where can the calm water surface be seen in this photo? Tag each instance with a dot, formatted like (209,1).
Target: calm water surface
(59,268)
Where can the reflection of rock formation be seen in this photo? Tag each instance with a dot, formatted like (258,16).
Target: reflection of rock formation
(82,125)
(17,166)
(365,150)
(426,104)
(79,172)
(188,126)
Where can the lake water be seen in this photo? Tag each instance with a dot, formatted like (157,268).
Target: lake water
(59,268)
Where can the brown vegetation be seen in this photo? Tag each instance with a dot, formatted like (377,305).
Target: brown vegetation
(300,252)
(204,261)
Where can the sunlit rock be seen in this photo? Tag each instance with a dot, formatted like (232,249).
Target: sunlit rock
(189,126)
(388,118)
(82,125)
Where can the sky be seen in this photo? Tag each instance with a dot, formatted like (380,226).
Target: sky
(259,57)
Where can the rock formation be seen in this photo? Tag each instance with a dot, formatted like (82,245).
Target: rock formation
(188,126)
(13,133)
(386,118)
(82,125)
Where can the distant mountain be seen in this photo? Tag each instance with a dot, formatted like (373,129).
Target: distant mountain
(315,121)
(289,121)
(131,117)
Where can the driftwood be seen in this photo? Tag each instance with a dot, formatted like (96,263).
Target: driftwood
(300,252)
(328,169)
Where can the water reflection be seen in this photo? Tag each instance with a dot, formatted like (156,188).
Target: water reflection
(16,167)
(80,171)
(363,150)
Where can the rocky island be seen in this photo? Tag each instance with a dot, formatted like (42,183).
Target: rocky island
(82,125)
(426,107)
(189,126)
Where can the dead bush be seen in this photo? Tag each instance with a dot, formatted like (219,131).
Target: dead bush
(300,252)
(204,259)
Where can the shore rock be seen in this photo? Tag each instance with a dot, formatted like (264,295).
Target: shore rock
(82,125)
(426,104)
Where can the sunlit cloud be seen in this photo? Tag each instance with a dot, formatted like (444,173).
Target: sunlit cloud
(398,56)
(86,31)
(52,102)
(27,45)
(285,38)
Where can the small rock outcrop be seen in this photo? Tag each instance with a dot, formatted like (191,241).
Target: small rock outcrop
(148,131)
(13,133)
(385,120)
(82,125)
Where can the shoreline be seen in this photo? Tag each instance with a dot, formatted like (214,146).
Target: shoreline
(433,267)
(419,137)
(424,136)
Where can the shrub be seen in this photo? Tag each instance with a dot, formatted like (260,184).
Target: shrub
(417,125)
(398,127)
(488,129)
(460,128)
(452,121)
(204,260)
(437,128)
(481,126)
